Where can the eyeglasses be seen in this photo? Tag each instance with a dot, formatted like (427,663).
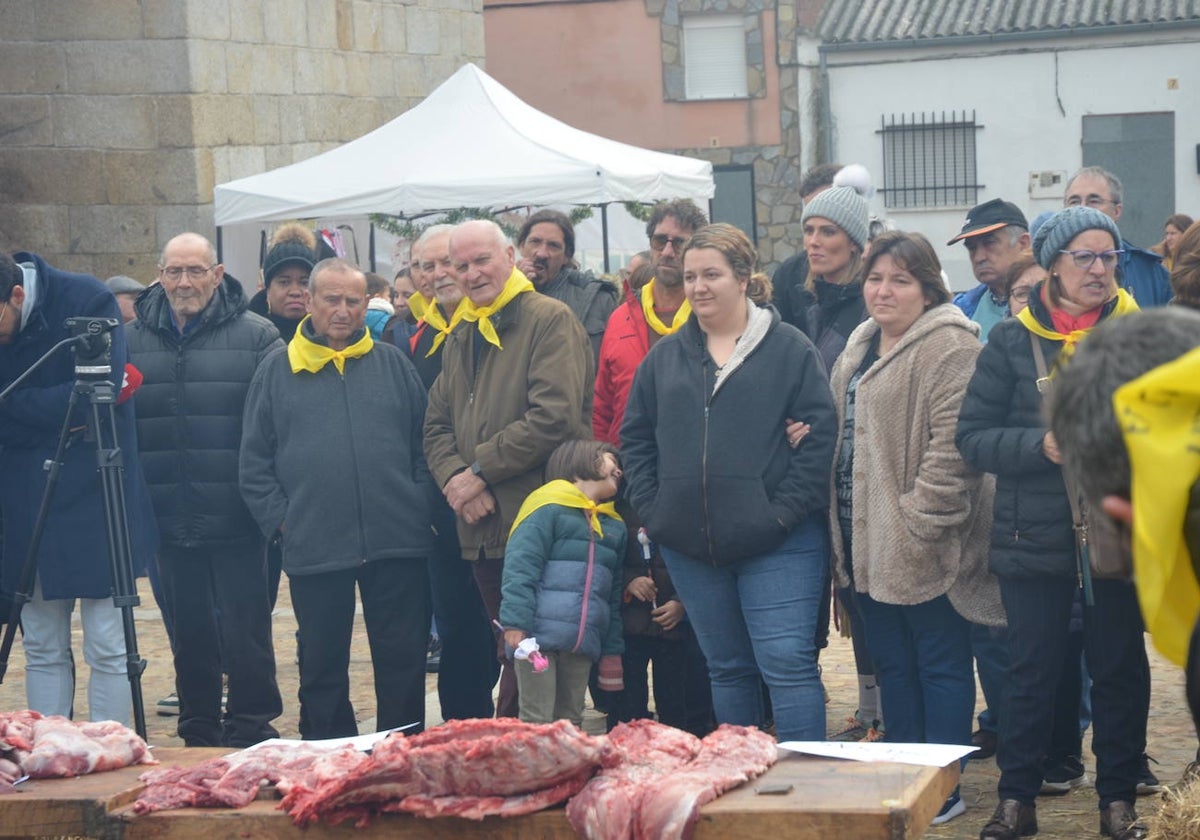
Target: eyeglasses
(1020,295)
(194,272)
(1086,259)
(659,241)
(1093,201)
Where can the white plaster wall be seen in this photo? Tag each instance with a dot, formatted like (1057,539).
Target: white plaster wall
(1031,120)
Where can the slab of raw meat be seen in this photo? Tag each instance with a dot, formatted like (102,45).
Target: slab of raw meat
(478,807)
(179,787)
(63,748)
(234,781)
(479,758)
(16,730)
(729,756)
(649,751)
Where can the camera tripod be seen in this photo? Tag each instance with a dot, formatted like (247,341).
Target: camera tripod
(92,344)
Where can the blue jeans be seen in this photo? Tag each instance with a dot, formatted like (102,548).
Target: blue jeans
(922,656)
(759,616)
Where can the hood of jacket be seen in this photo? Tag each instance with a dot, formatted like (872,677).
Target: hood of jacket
(154,310)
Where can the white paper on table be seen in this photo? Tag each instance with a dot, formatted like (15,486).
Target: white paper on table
(928,755)
(362,743)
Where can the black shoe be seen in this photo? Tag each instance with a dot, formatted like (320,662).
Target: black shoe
(1012,819)
(985,745)
(1147,782)
(1120,822)
(1062,776)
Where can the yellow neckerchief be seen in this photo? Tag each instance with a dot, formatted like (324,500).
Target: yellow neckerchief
(433,317)
(652,319)
(418,305)
(561,492)
(1157,414)
(306,354)
(1125,305)
(516,284)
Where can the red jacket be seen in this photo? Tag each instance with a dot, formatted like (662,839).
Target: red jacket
(626,342)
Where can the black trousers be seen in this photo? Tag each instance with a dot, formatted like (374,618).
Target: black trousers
(395,600)
(469,668)
(221,620)
(682,694)
(1039,613)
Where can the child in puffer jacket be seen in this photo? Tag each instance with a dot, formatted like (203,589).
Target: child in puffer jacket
(562,582)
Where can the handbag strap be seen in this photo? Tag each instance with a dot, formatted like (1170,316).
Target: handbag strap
(1079,522)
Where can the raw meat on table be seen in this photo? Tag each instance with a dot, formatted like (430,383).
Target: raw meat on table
(234,781)
(649,751)
(729,756)
(476,762)
(62,747)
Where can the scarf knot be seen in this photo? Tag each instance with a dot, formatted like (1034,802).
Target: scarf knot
(1125,305)
(653,321)
(516,284)
(562,492)
(433,317)
(306,354)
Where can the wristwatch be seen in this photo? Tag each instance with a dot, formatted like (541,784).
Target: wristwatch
(477,471)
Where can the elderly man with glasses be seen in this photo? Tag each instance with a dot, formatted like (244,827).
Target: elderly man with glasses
(1139,272)
(198,348)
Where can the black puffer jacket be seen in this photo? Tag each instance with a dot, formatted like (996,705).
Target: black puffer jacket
(1000,430)
(828,316)
(189,412)
(712,475)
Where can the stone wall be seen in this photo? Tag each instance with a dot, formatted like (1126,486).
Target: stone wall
(118,117)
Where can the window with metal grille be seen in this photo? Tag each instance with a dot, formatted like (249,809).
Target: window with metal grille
(929,160)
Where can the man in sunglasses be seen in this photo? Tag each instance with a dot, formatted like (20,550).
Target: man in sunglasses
(1140,272)
(198,347)
(658,309)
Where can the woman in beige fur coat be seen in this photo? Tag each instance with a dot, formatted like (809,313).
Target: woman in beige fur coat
(910,527)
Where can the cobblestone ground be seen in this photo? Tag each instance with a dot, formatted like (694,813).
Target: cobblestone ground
(1172,740)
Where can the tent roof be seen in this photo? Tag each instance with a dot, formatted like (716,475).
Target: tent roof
(470,143)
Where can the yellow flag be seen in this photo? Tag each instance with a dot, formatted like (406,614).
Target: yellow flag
(1158,414)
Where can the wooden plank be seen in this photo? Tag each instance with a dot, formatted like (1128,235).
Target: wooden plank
(829,798)
(81,806)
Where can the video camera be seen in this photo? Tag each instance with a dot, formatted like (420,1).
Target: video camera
(93,346)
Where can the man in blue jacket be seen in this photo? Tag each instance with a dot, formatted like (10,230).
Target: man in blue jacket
(994,233)
(35,300)
(1140,272)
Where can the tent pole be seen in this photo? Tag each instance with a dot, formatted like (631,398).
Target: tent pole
(218,243)
(371,246)
(604,233)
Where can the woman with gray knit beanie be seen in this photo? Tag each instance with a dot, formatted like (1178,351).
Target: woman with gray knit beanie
(835,226)
(1001,430)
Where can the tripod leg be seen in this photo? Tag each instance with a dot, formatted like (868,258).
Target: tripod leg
(125,597)
(28,575)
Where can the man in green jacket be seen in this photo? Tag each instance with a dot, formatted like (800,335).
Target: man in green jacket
(516,381)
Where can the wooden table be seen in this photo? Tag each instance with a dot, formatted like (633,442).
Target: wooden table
(828,798)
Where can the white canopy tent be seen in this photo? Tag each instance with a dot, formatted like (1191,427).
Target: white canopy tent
(470,143)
